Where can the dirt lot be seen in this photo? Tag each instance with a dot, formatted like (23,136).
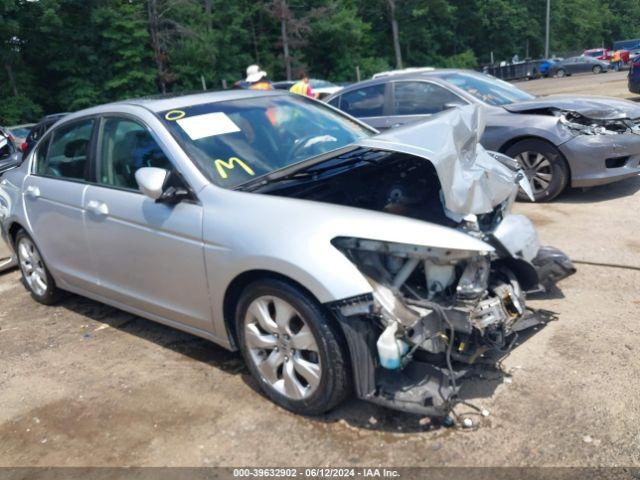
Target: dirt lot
(613,84)
(83,384)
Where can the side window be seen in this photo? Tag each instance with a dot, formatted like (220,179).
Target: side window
(364,102)
(335,102)
(127,146)
(67,152)
(422,98)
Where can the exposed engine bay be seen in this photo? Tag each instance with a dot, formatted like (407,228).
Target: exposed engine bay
(432,310)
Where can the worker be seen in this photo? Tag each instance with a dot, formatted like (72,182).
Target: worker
(616,60)
(302,86)
(257,78)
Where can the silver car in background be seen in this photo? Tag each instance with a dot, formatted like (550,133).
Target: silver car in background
(559,140)
(332,257)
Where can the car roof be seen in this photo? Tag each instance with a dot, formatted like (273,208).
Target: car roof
(432,75)
(159,103)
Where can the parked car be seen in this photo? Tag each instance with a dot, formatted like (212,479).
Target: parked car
(9,158)
(581,64)
(558,140)
(633,77)
(322,87)
(402,71)
(606,55)
(38,130)
(271,223)
(19,133)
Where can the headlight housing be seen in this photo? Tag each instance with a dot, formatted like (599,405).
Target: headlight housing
(578,124)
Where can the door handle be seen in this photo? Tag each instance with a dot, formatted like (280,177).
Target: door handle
(97,208)
(32,191)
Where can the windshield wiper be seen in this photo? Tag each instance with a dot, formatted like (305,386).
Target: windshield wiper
(352,157)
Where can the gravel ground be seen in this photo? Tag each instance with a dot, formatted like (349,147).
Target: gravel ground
(613,84)
(82,384)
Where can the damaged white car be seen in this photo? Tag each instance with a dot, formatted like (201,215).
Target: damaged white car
(333,258)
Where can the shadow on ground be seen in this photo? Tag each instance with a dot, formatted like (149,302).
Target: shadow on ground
(481,381)
(602,193)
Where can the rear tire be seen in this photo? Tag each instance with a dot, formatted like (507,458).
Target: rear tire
(597,69)
(307,374)
(545,167)
(560,73)
(35,274)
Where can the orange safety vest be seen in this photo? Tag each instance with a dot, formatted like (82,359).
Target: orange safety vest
(260,86)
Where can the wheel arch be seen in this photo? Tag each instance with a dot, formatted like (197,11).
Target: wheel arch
(512,141)
(237,286)
(13,230)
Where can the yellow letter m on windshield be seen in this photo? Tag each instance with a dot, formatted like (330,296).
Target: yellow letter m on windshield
(221,165)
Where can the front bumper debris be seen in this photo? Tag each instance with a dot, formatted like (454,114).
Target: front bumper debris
(552,265)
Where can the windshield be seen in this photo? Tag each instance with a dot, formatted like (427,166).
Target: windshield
(239,140)
(486,88)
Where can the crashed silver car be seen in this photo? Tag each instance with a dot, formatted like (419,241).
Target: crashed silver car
(330,256)
(559,140)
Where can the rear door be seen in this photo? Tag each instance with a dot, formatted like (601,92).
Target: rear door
(53,198)
(413,101)
(148,255)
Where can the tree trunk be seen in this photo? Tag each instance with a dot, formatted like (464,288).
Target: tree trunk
(12,79)
(285,39)
(158,53)
(207,12)
(394,32)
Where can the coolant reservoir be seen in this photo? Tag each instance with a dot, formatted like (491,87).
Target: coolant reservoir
(391,349)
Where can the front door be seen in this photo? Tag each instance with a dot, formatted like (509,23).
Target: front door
(413,101)
(53,197)
(147,255)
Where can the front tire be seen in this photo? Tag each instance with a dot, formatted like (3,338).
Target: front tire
(35,274)
(544,166)
(292,348)
(560,73)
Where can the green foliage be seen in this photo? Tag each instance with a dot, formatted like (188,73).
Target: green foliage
(62,55)
(18,109)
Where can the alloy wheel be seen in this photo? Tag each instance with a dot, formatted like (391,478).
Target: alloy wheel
(538,169)
(32,267)
(282,347)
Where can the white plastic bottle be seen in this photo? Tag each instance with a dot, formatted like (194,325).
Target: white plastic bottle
(390,349)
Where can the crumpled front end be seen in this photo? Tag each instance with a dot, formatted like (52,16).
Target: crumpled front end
(434,311)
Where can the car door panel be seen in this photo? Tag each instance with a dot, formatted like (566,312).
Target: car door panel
(149,255)
(55,217)
(53,199)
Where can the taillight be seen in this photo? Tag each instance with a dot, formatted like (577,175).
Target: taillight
(23,147)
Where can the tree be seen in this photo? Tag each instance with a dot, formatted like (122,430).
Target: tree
(394,32)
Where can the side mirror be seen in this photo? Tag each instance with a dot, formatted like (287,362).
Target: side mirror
(12,161)
(151,181)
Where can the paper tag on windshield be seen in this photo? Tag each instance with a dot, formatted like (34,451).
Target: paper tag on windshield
(207,125)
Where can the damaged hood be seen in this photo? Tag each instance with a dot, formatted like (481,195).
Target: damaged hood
(472,181)
(598,108)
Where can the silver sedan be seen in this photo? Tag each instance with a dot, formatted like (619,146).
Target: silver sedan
(332,257)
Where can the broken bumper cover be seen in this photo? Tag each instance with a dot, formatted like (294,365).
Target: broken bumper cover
(421,387)
(602,159)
